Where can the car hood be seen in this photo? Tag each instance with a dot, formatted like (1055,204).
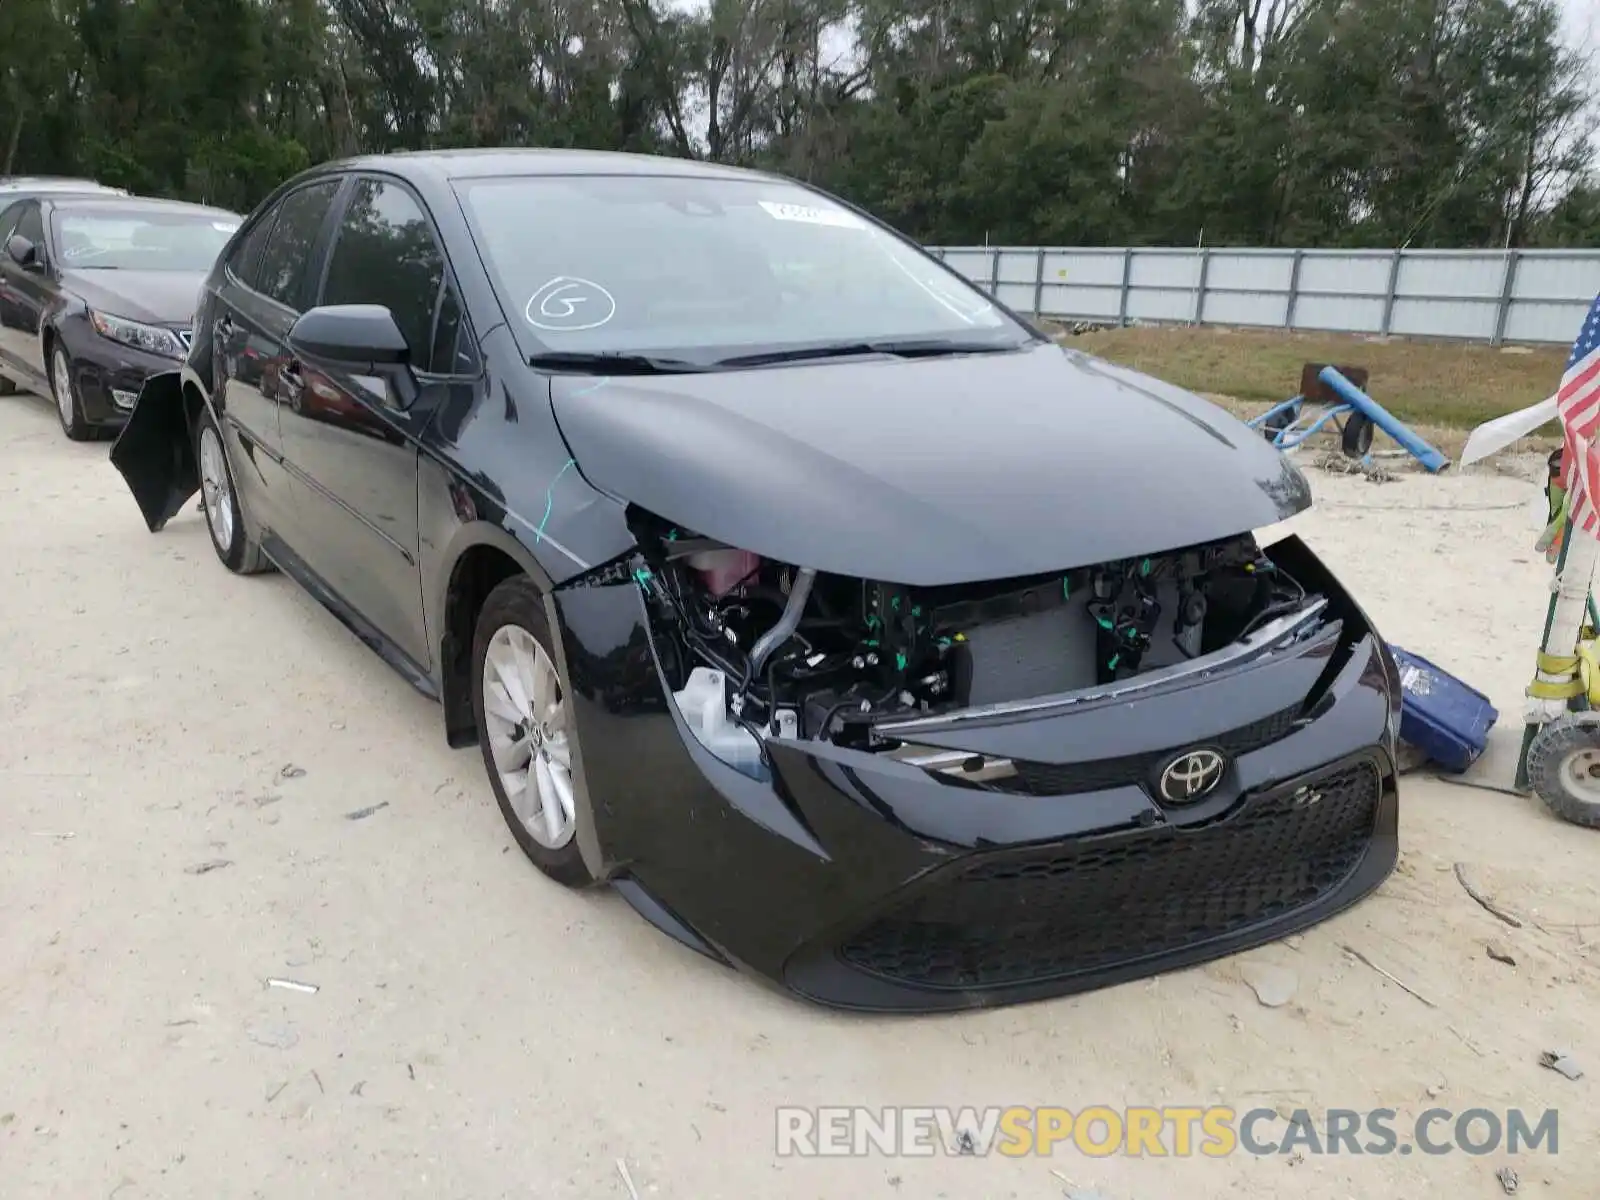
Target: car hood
(154,297)
(930,471)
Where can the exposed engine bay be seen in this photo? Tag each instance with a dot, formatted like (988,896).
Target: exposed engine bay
(753,648)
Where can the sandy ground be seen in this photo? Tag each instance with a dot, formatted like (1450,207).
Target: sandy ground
(481,1033)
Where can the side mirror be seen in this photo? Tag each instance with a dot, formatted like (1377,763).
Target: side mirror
(357,339)
(23,252)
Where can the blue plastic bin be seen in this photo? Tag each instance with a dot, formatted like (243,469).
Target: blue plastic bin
(1441,716)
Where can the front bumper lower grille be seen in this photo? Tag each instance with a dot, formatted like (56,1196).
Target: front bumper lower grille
(1064,910)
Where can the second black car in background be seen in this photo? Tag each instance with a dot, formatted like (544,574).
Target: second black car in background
(97,293)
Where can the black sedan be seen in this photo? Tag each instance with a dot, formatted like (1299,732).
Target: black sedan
(97,293)
(855,632)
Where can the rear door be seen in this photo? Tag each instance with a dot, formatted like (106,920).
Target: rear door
(264,289)
(27,294)
(351,448)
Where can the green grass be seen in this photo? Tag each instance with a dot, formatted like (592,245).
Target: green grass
(1443,389)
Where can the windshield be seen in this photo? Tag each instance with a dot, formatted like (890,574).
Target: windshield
(146,240)
(706,268)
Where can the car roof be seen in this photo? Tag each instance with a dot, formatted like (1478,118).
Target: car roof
(49,179)
(44,185)
(490,163)
(134,204)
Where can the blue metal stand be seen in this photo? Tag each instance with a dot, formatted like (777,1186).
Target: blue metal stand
(1291,434)
(1290,427)
(1380,416)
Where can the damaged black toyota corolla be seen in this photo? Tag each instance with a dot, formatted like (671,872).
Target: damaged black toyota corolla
(854,632)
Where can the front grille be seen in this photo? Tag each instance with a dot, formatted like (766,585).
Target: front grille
(1067,910)
(1062,779)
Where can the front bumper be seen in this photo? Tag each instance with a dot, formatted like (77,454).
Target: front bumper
(1069,916)
(863,883)
(109,375)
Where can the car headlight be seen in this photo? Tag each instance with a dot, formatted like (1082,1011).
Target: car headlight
(152,339)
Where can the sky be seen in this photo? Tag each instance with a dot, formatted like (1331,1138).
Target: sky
(1582,21)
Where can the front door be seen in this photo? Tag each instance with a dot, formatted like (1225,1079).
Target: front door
(26,293)
(351,448)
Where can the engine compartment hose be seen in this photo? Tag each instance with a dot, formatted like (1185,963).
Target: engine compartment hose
(799,593)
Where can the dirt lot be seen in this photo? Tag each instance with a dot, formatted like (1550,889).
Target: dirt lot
(480,1033)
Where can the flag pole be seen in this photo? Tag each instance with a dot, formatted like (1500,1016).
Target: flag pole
(1557,679)
(1573,489)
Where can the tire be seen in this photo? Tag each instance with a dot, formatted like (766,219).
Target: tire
(1278,422)
(1356,437)
(231,538)
(7,388)
(69,405)
(1564,769)
(520,739)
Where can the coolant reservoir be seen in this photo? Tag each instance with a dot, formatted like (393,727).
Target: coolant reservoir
(723,570)
(703,701)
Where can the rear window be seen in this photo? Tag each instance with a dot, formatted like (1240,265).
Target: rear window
(286,260)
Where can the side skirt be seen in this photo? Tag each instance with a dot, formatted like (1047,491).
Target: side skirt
(292,565)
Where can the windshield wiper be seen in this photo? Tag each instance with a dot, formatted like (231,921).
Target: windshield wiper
(614,362)
(905,348)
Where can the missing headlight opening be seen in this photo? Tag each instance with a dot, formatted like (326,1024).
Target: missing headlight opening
(754,648)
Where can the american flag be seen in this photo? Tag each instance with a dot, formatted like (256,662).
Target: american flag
(1578,406)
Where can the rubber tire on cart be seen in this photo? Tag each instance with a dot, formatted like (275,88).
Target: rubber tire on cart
(1278,422)
(516,604)
(242,554)
(1564,769)
(1356,436)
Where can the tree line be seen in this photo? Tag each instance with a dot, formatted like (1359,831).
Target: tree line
(1448,123)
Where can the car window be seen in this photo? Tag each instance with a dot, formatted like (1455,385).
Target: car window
(385,253)
(453,351)
(286,258)
(8,219)
(246,256)
(31,225)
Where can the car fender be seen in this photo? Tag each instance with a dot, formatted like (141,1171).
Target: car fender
(469,537)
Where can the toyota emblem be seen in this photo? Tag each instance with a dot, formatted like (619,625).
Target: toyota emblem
(1190,776)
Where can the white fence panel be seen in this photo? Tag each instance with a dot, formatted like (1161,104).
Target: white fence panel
(1468,295)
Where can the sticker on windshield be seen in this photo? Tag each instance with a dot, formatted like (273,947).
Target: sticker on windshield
(567,304)
(225,226)
(837,217)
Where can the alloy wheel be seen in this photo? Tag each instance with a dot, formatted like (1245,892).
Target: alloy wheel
(216,493)
(62,378)
(526,718)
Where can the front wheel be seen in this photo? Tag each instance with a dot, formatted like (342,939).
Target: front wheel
(69,405)
(525,729)
(219,502)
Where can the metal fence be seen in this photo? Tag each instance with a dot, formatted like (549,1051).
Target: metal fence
(1471,295)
